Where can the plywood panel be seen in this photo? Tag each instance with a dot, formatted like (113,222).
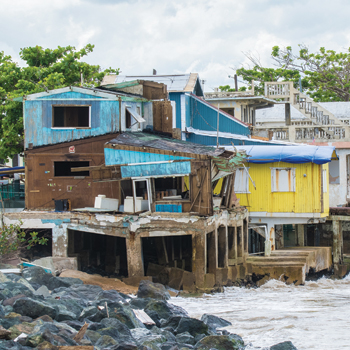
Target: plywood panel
(43,187)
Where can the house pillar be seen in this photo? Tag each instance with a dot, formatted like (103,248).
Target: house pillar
(60,241)
(270,242)
(199,257)
(337,242)
(300,235)
(287,114)
(134,255)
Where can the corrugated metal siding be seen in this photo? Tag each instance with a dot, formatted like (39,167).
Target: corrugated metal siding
(326,194)
(204,117)
(164,169)
(176,97)
(305,199)
(38,121)
(68,95)
(121,156)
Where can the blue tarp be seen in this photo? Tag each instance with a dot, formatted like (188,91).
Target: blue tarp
(288,154)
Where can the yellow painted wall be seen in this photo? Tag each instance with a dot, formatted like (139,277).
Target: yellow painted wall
(305,199)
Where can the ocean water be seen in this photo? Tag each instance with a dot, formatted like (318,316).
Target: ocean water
(313,316)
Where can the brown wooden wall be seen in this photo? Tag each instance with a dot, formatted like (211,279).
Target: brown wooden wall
(42,187)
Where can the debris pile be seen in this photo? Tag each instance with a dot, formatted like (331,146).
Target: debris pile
(41,311)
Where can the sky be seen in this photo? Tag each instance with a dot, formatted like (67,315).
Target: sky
(184,36)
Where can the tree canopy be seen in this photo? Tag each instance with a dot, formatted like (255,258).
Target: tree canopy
(45,69)
(324,75)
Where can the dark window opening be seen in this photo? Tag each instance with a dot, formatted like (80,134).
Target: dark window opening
(245,235)
(256,243)
(127,119)
(71,117)
(222,242)
(98,254)
(239,242)
(232,243)
(170,186)
(211,253)
(170,251)
(65,168)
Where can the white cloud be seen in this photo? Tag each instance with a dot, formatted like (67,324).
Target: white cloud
(174,36)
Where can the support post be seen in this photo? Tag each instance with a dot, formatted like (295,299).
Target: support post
(300,235)
(60,241)
(270,239)
(199,257)
(337,242)
(134,255)
(287,114)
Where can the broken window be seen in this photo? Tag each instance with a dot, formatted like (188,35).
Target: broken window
(242,180)
(133,118)
(71,116)
(282,179)
(334,172)
(65,168)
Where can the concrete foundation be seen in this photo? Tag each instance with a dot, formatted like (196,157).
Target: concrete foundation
(189,251)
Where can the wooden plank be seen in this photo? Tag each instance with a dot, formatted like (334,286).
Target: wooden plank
(143,317)
(80,335)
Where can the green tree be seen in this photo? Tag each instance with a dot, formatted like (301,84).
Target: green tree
(13,240)
(260,75)
(45,69)
(325,75)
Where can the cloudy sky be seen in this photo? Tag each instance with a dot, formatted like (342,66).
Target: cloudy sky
(182,36)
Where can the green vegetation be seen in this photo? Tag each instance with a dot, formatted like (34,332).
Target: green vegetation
(13,239)
(324,75)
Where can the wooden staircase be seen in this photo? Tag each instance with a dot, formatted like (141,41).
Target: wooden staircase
(291,264)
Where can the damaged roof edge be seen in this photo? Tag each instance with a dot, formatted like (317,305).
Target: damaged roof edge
(143,139)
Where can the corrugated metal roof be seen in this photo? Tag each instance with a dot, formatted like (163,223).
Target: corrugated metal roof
(143,139)
(175,82)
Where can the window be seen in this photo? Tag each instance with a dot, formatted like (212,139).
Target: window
(71,116)
(334,172)
(133,118)
(282,179)
(242,180)
(65,168)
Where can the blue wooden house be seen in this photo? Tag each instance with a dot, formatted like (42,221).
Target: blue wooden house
(67,128)
(195,118)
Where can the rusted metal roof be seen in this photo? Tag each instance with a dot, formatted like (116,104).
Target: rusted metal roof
(143,139)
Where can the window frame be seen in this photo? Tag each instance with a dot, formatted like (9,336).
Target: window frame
(75,176)
(245,172)
(69,127)
(273,177)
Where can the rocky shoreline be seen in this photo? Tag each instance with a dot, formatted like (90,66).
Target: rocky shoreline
(41,311)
